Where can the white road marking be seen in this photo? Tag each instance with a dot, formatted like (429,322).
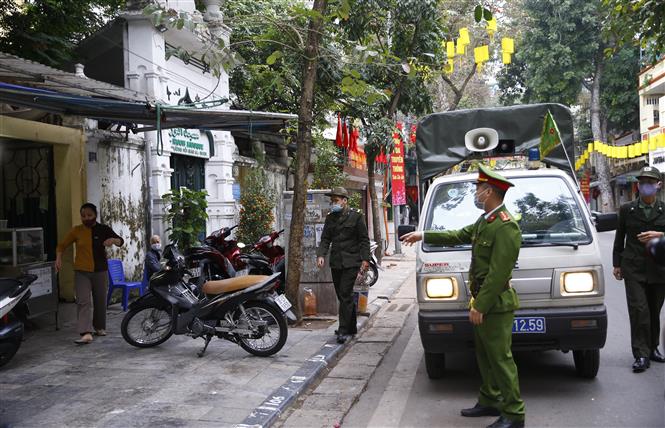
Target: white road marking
(393,401)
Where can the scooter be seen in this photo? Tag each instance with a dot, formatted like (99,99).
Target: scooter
(14,293)
(245,310)
(372,273)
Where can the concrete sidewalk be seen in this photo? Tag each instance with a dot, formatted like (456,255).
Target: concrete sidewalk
(53,382)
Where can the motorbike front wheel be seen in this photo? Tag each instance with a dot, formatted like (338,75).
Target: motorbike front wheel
(372,275)
(146,326)
(271,337)
(8,349)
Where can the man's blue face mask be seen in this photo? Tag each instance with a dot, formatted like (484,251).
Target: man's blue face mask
(648,189)
(336,208)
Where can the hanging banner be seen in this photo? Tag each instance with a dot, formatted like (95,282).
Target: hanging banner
(397,172)
(584,187)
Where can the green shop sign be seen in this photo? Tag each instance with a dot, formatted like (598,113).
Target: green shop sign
(188,142)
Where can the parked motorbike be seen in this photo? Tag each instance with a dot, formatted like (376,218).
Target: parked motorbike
(372,273)
(245,310)
(14,293)
(263,258)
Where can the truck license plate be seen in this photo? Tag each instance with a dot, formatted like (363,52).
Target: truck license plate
(283,302)
(529,325)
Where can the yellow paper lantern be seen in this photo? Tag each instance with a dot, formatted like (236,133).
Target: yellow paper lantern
(589,147)
(449,67)
(508,45)
(660,141)
(464,36)
(624,152)
(491,27)
(652,144)
(481,54)
(506,58)
(459,50)
(631,151)
(645,146)
(450,49)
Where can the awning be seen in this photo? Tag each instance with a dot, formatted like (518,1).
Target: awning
(133,113)
(22,71)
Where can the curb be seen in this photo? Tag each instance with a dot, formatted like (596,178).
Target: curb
(280,399)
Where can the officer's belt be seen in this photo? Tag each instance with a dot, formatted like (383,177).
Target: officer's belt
(476,290)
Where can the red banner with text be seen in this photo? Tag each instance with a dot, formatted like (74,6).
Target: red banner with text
(397,172)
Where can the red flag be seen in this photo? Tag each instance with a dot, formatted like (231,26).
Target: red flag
(345,135)
(355,135)
(338,137)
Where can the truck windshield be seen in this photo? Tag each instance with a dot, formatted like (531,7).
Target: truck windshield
(544,207)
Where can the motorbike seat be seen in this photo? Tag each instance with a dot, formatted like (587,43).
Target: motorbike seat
(8,286)
(232,284)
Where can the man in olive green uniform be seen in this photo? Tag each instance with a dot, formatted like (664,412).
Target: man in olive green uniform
(496,239)
(640,221)
(345,229)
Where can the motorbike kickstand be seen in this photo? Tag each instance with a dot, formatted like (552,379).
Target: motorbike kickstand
(202,351)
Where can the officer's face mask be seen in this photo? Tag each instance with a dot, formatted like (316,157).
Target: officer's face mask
(336,208)
(648,189)
(480,198)
(156,247)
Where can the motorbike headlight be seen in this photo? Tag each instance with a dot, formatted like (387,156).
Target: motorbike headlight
(441,288)
(577,282)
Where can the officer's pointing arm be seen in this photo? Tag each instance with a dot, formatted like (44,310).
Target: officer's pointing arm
(449,237)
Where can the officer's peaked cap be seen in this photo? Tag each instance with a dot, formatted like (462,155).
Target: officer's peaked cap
(650,172)
(486,175)
(338,191)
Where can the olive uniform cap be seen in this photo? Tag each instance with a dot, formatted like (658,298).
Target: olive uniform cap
(487,176)
(338,191)
(650,172)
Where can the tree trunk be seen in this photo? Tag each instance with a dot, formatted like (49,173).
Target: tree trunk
(303,152)
(374,200)
(602,167)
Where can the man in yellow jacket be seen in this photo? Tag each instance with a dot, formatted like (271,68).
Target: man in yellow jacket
(496,239)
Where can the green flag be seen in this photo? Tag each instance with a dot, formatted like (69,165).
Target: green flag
(550,137)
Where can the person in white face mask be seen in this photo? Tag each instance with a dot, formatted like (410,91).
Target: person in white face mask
(153,255)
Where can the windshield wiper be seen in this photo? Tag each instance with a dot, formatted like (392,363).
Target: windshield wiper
(551,244)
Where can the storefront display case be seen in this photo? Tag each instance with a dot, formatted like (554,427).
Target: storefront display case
(22,252)
(21,246)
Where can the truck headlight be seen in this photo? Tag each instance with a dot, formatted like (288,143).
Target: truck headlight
(441,288)
(577,282)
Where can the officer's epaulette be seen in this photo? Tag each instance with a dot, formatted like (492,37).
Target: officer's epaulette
(504,216)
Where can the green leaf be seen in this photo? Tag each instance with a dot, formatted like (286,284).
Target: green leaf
(487,14)
(478,13)
(273,57)
(348,81)
(355,73)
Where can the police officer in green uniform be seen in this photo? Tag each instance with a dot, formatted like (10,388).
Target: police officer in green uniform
(496,240)
(640,221)
(345,229)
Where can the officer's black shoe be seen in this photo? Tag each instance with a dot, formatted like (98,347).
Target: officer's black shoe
(640,364)
(343,338)
(657,356)
(506,423)
(480,410)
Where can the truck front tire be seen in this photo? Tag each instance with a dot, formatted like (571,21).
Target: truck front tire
(587,362)
(435,365)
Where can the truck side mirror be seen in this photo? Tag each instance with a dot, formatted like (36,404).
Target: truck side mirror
(403,229)
(605,222)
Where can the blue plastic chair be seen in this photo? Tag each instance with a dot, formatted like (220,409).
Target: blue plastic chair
(117,280)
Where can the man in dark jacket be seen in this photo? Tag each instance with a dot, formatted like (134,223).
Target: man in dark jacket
(345,229)
(641,221)
(153,256)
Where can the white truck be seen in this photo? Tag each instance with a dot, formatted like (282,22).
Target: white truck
(559,273)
